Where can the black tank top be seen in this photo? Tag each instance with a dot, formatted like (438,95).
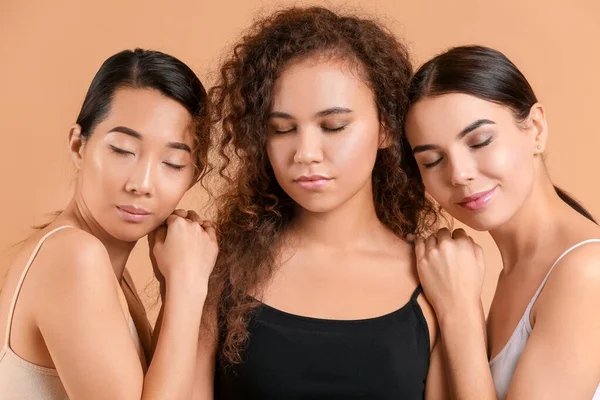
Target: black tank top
(294,357)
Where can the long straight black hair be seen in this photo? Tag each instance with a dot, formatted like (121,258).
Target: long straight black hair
(484,73)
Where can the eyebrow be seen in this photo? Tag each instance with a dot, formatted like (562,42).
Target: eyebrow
(470,128)
(137,135)
(324,113)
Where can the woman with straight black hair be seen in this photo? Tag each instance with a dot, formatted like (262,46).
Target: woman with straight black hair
(68,330)
(478,134)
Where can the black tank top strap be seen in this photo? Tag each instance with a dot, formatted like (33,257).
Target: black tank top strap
(416,293)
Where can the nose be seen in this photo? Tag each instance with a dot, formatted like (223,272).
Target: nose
(308,147)
(140,179)
(462,171)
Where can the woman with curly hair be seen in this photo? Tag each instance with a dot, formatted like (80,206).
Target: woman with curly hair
(315,293)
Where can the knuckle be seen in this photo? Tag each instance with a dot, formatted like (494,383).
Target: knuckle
(446,245)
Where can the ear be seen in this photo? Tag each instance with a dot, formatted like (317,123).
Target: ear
(385,139)
(536,121)
(76,145)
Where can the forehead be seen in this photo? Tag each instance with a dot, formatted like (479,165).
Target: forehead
(447,115)
(150,113)
(312,85)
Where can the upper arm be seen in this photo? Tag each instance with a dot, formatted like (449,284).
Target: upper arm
(81,320)
(206,359)
(562,356)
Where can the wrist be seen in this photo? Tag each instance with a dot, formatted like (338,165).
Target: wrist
(459,317)
(184,286)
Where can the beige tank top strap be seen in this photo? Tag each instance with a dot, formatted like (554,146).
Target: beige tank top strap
(13,303)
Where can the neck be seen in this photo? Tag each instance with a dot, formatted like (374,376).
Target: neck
(350,225)
(530,228)
(77,214)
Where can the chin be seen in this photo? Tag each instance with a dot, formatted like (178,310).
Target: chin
(129,232)
(482,221)
(317,205)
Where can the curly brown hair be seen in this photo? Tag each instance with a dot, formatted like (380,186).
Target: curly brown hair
(253,211)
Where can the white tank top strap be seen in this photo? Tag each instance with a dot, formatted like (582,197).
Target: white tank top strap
(537,293)
(13,303)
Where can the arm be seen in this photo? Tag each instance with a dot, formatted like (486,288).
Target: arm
(96,357)
(562,356)
(436,387)
(205,359)
(184,255)
(83,325)
(172,369)
(451,270)
(463,338)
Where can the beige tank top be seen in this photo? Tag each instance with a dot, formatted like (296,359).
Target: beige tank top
(22,380)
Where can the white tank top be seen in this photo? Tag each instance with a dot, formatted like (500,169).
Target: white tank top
(22,380)
(504,364)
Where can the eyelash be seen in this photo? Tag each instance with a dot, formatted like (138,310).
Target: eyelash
(125,153)
(341,128)
(175,166)
(474,147)
(482,144)
(121,151)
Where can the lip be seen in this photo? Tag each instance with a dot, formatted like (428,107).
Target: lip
(478,200)
(312,182)
(133,214)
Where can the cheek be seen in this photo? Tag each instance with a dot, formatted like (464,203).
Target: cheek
(506,164)
(170,191)
(278,151)
(101,170)
(355,151)
(436,184)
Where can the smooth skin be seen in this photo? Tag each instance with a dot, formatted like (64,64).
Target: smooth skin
(72,314)
(459,156)
(337,253)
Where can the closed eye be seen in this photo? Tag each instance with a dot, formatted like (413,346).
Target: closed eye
(340,128)
(121,151)
(433,164)
(482,144)
(282,132)
(175,166)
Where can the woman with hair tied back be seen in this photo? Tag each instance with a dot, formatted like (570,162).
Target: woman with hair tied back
(65,323)
(315,294)
(478,134)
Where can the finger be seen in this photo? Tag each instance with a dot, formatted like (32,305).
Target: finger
(443,234)
(159,235)
(210,230)
(459,234)
(420,248)
(479,256)
(193,216)
(172,218)
(152,238)
(411,237)
(430,243)
(181,213)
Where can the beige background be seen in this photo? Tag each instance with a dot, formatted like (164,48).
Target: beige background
(50,51)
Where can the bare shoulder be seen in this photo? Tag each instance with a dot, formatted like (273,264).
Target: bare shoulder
(406,251)
(71,259)
(581,266)
(574,282)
